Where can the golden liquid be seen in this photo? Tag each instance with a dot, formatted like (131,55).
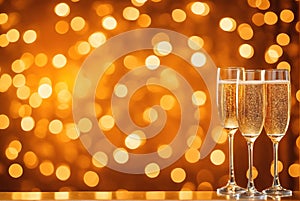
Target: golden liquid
(251,108)
(278,109)
(227,103)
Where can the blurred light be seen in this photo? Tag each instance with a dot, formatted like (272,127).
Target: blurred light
(199,98)
(13,35)
(152,62)
(286,16)
(63,172)
(246,51)
(84,125)
(64,96)
(97,39)
(298,98)
(155,195)
(19,80)
(3,18)
(130,61)
(270,18)
(91,178)
(192,155)
(152,170)
(28,59)
(59,61)
(200,8)
(284,65)
(5,82)
(263,4)
(178,15)
(83,47)
(3,40)
(194,142)
(227,24)
(18,66)
(16,144)
(205,186)
(62,9)
(138,3)
(167,102)
(185,195)
(133,141)
(297,27)
(283,39)
(164,151)
(254,173)
(120,90)
(77,23)
(41,59)
(45,91)
(159,37)
(217,157)
(55,126)
(71,131)
(24,110)
(178,175)
(109,23)
(4,121)
(150,115)
(198,59)
(144,20)
(163,48)
(29,36)
(30,160)
(11,153)
(131,13)
(120,155)
(27,123)
(100,159)
(279,166)
(258,19)
(62,195)
(15,170)
(245,31)
(294,170)
(106,122)
(219,135)
(23,92)
(46,168)
(62,27)
(195,42)
(103,9)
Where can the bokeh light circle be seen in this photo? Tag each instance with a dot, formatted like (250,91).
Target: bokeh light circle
(141,39)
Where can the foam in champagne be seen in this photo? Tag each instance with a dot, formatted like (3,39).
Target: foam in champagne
(278,108)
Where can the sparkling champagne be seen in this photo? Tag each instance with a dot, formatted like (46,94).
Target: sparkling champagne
(227,103)
(278,109)
(251,108)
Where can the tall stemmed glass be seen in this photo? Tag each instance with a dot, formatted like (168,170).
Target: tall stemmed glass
(278,92)
(226,101)
(251,115)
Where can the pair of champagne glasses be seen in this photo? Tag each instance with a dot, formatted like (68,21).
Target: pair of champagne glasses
(250,100)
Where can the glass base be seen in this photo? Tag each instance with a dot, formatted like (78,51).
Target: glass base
(253,195)
(230,189)
(277,191)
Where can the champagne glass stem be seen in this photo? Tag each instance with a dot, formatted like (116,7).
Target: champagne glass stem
(250,185)
(231,161)
(276,182)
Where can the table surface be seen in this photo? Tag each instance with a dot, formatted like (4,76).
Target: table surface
(125,195)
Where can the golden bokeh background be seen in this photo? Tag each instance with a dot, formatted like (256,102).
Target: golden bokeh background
(44,43)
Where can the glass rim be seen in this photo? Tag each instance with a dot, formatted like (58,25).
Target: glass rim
(232,67)
(277,70)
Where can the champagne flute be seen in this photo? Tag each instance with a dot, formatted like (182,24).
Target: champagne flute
(251,115)
(278,93)
(226,95)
